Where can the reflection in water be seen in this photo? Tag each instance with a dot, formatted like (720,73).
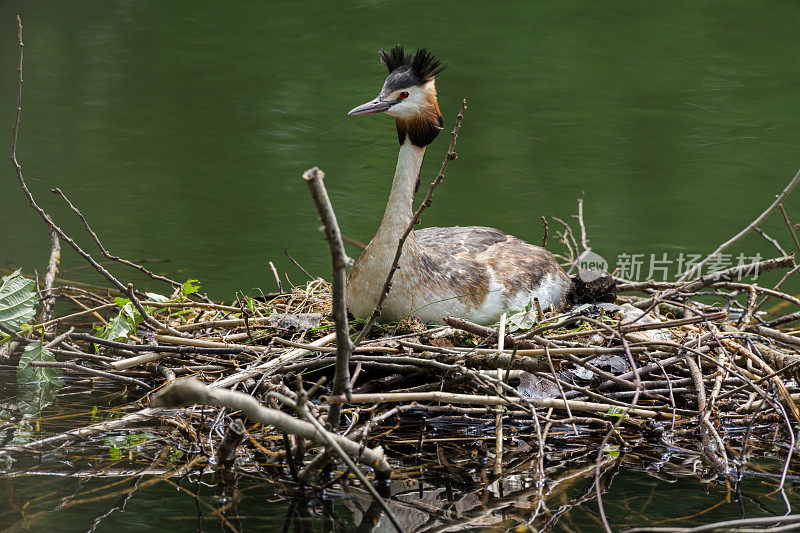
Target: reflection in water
(466,497)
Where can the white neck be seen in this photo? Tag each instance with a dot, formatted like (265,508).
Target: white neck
(399,211)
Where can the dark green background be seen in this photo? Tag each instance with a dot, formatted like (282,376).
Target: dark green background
(181,128)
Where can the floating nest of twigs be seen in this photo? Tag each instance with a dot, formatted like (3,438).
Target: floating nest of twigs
(712,382)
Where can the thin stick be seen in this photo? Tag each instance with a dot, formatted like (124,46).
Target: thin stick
(498,421)
(711,280)
(31,201)
(352,466)
(270,366)
(560,388)
(146,316)
(191,391)
(105,252)
(387,286)
(344,347)
(354,242)
(584,240)
(277,277)
(777,286)
(750,227)
(298,265)
(473,399)
(791,228)
(544,237)
(771,240)
(91,371)
(50,277)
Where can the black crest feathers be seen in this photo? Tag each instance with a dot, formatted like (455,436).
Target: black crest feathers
(423,65)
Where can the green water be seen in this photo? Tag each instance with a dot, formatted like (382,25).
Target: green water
(181,129)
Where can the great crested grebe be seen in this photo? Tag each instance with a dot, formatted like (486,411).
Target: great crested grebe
(472,272)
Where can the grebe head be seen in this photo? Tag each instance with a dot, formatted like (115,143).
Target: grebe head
(409,95)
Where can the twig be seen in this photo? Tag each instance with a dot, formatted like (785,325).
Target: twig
(351,465)
(191,391)
(270,366)
(31,201)
(414,220)
(344,347)
(728,525)
(298,265)
(277,277)
(50,276)
(791,228)
(472,399)
(560,388)
(146,316)
(188,345)
(709,279)
(736,238)
(617,423)
(354,242)
(486,332)
(544,237)
(91,371)
(584,240)
(131,419)
(771,240)
(226,452)
(708,449)
(777,286)
(498,420)
(105,252)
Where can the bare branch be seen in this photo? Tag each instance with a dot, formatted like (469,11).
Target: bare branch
(750,227)
(191,391)
(344,347)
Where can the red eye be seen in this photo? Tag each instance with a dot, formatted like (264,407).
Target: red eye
(404,95)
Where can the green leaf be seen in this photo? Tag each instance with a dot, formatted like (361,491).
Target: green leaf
(36,386)
(17,299)
(190,287)
(155,297)
(611,451)
(117,329)
(522,319)
(614,410)
(27,374)
(120,327)
(130,311)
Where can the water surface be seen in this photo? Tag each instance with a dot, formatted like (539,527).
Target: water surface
(181,130)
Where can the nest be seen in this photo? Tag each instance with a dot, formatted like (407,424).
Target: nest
(589,385)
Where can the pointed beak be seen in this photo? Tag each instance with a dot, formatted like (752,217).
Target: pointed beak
(375,106)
